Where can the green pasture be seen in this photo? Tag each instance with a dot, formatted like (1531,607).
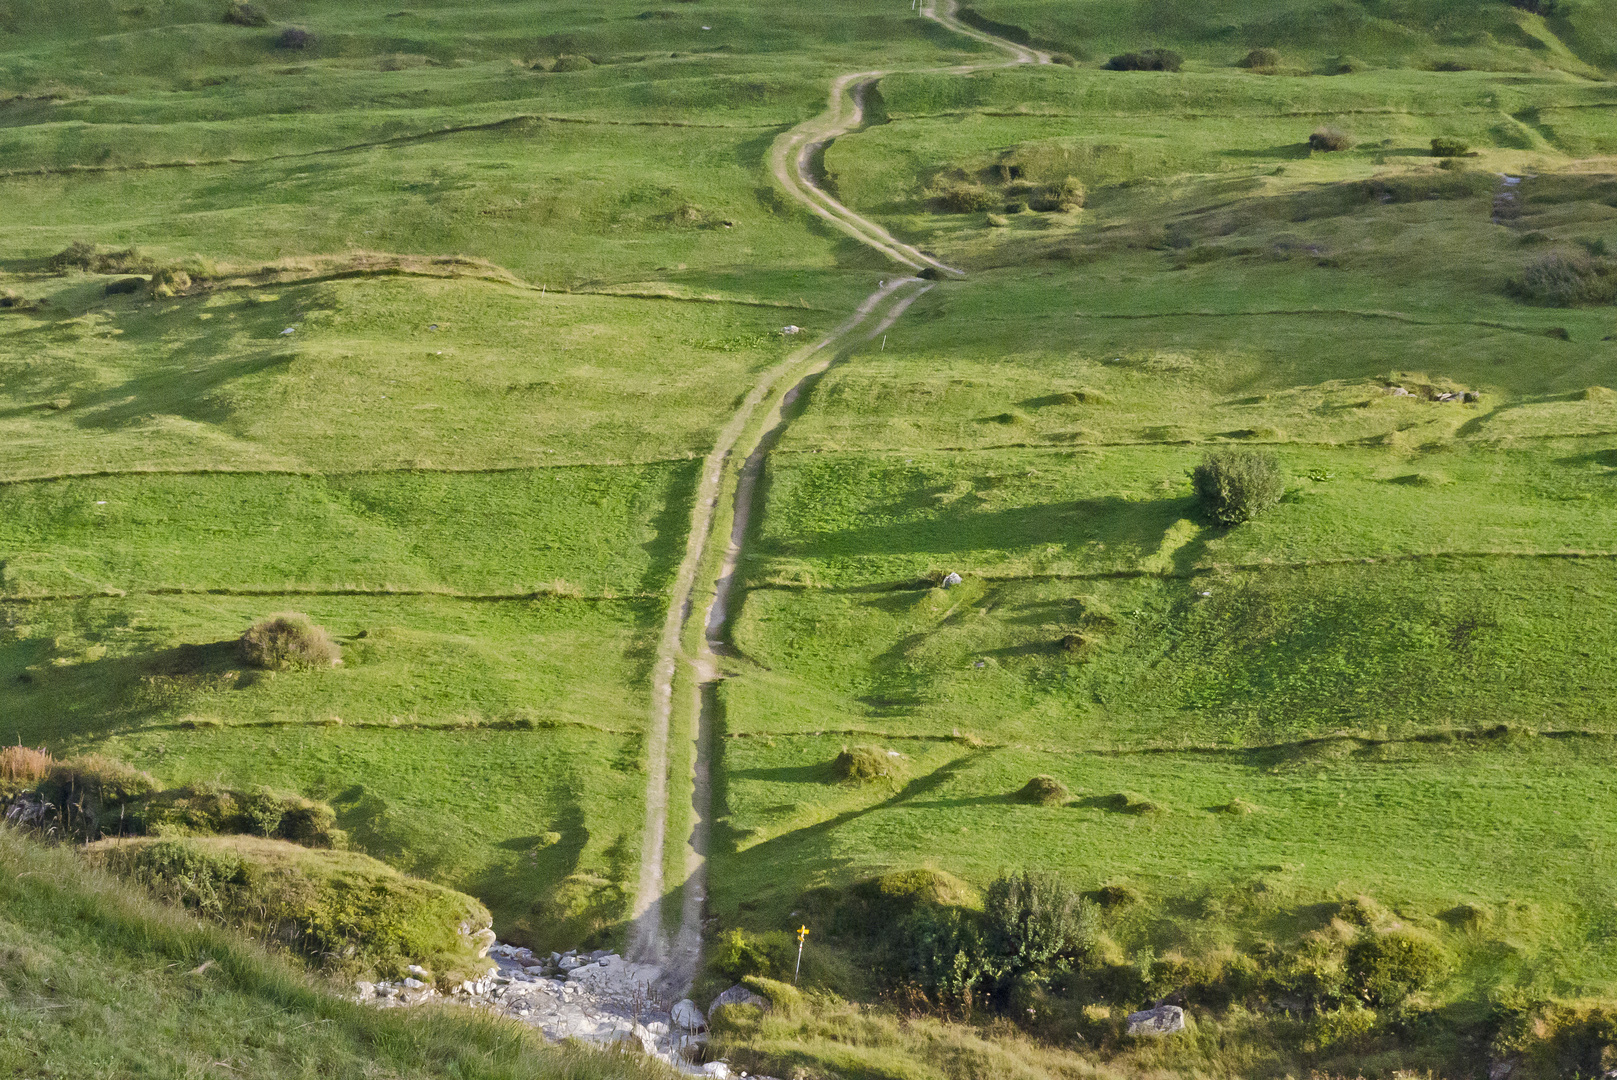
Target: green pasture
(82,670)
(1322,37)
(1509,826)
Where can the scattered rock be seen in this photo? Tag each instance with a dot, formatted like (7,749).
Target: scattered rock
(418,971)
(1162,1020)
(716,1068)
(413,984)
(789,329)
(951,579)
(737,995)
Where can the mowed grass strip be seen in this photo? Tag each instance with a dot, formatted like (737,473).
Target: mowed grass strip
(593,531)
(90,668)
(1240,658)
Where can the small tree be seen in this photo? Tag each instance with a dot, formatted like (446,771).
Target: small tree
(1034,920)
(1236,486)
(1448,146)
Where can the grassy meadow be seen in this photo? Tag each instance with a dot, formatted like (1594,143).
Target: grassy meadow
(531,259)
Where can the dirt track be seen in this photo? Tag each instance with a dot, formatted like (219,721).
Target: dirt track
(780,386)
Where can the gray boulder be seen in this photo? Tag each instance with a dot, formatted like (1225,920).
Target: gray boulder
(1162,1020)
(737,995)
(951,580)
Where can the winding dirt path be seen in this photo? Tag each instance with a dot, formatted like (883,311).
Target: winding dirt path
(789,161)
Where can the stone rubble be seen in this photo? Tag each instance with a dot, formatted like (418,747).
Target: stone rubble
(595,997)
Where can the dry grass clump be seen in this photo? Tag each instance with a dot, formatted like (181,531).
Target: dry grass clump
(959,197)
(23,765)
(867,765)
(108,780)
(1044,790)
(167,281)
(289,640)
(1329,140)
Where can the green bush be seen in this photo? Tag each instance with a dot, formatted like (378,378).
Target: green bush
(1445,146)
(740,955)
(186,874)
(294,37)
(1146,60)
(289,640)
(1329,140)
(866,765)
(565,64)
(245,15)
(942,951)
(966,198)
(1066,196)
(1384,969)
(1237,485)
(1565,278)
(1034,920)
(1262,59)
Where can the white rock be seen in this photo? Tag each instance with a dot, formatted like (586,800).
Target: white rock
(951,580)
(686,1015)
(414,984)
(365,989)
(737,995)
(716,1068)
(417,970)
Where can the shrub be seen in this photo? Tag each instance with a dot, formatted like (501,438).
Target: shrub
(566,64)
(1066,196)
(1146,60)
(186,874)
(106,780)
(1563,278)
(124,286)
(1262,59)
(289,640)
(866,765)
(167,281)
(294,37)
(1044,791)
(245,15)
(1329,139)
(21,766)
(1034,920)
(740,955)
(1386,968)
(1447,146)
(943,951)
(965,198)
(1064,59)
(1236,486)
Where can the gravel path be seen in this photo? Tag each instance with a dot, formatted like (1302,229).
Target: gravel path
(789,161)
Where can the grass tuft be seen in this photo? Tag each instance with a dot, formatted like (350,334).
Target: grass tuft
(867,765)
(1044,791)
(289,640)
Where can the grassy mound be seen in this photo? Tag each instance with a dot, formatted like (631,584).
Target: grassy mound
(867,765)
(99,979)
(347,911)
(289,640)
(1044,791)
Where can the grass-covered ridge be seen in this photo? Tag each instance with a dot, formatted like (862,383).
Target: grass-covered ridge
(98,976)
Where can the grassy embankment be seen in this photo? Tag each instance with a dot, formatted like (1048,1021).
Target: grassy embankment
(100,981)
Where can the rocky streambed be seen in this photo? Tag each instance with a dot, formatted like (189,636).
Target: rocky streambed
(598,998)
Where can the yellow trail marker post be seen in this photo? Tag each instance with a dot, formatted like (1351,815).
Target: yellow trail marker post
(802,934)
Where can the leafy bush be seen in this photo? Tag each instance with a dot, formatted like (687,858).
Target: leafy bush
(943,951)
(866,765)
(740,955)
(1044,791)
(1146,60)
(1236,486)
(294,37)
(1262,59)
(1386,968)
(289,640)
(186,874)
(1563,278)
(1033,920)
(245,15)
(965,198)
(1447,146)
(1329,139)
(206,809)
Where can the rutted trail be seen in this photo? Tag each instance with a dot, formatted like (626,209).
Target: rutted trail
(722,479)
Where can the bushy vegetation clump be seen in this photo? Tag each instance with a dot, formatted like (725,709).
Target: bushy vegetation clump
(289,640)
(962,197)
(1386,968)
(1262,60)
(1446,146)
(245,15)
(1329,140)
(1567,278)
(867,765)
(1146,60)
(1237,485)
(345,911)
(1044,791)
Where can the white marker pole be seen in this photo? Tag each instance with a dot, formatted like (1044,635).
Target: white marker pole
(884,343)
